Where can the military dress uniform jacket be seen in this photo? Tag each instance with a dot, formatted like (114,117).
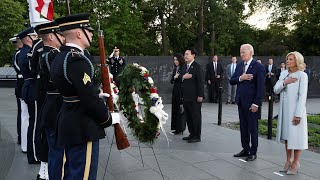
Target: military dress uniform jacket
(20,80)
(116,65)
(35,65)
(53,100)
(29,86)
(83,115)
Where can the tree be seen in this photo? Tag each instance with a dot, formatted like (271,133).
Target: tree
(303,18)
(11,23)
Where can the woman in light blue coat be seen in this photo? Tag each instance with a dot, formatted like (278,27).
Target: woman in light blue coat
(292,119)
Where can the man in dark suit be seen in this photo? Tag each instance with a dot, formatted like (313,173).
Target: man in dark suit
(282,68)
(192,94)
(249,77)
(213,77)
(271,78)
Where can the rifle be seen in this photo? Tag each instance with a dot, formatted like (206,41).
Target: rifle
(121,138)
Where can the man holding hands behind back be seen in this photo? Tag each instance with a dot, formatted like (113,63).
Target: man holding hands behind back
(250,79)
(192,94)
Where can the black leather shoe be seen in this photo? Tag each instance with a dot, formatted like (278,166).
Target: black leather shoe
(233,102)
(193,140)
(38,177)
(228,102)
(186,138)
(251,157)
(243,153)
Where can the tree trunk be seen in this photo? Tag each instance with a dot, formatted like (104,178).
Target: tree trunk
(200,29)
(212,39)
(163,33)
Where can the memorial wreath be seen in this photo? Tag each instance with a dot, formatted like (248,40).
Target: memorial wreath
(144,112)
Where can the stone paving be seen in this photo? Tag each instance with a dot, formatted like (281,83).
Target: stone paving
(210,159)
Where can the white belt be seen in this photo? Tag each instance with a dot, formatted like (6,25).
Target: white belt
(20,76)
(38,77)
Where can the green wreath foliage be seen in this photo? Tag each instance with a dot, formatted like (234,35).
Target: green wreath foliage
(130,79)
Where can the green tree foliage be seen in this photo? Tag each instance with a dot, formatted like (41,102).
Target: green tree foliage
(11,22)
(302,16)
(153,27)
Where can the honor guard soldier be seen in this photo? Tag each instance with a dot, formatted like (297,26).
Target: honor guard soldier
(27,37)
(18,45)
(51,155)
(34,59)
(83,115)
(116,64)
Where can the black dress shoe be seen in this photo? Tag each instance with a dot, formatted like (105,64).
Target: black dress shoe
(193,140)
(251,157)
(243,153)
(186,138)
(228,102)
(233,102)
(38,177)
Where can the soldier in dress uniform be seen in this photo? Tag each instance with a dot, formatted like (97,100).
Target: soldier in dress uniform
(18,45)
(116,64)
(51,155)
(83,115)
(27,37)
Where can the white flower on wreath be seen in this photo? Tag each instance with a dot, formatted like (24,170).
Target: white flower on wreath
(153,109)
(154,95)
(135,64)
(150,81)
(110,76)
(142,72)
(143,69)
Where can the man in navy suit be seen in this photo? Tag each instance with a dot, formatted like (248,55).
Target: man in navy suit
(249,77)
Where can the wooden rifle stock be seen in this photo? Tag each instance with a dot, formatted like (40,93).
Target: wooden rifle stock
(121,138)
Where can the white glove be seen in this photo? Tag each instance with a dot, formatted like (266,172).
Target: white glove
(103,95)
(115,118)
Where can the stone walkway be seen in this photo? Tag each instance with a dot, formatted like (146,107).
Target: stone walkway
(210,159)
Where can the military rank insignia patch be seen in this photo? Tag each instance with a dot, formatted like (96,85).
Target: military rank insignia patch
(86,79)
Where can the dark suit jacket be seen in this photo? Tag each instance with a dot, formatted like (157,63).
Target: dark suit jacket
(279,72)
(210,74)
(274,71)
(194,87)
(176,91)
(249,92)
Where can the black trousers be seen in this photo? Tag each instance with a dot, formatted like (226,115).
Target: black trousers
(19,119)
(248,128)
(178,121)
(269,87)
(33,135)
(192,112)
(215,90)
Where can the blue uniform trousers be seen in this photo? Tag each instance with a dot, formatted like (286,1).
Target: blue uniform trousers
(81,161)
(55,155)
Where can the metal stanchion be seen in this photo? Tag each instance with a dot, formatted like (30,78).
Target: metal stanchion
(220,106)
(270,115)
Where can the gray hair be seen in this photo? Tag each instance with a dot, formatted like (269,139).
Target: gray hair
(249,47)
